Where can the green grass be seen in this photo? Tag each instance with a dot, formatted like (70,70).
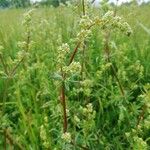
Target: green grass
(31,114)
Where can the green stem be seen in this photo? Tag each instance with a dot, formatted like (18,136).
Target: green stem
(5,94)
(4,64)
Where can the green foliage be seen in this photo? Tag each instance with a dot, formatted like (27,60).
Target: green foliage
(14,3)
(20,3)
(55,56)
(4,3)
(54,3)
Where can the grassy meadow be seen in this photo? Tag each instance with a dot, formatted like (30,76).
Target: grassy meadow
(69,82)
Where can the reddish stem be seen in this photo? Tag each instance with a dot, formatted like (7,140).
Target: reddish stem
(62,95)
(74,53)
(141,116)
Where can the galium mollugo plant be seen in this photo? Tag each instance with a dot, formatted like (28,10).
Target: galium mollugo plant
(108,21)
(91,110)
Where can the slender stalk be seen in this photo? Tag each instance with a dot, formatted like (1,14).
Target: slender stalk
(83,7)
(4,64)
(83,60)
(118,80)
(17,66)
(12,73)
(84,44)
(141,116)
(77,47)
(63,102)
(62,93)
(74,53)
(5,94)
(107,53)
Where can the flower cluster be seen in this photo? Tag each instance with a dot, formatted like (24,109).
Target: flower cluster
(26,44)
(103,68)
(108,16)
(137,69)
(115,22)
(76,120)
(66,137)
(43,132)
(85,25)
(62,52)
(86,86)
(73,68)
(85,22)
(84,33)
(88,111)
(85,118)
(87,122)
(28,20)
(146,96)
(137,142)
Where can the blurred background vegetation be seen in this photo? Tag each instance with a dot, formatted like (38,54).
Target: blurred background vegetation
(26,3)
(55,3)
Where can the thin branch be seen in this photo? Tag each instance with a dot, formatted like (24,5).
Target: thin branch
(74,53)
(107,52)
(77,47)
(141,116)
(4,64)
(84,43)
(16,66)
(5,94)
(83,7)
(12,73)
(118,80)
(63,102)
